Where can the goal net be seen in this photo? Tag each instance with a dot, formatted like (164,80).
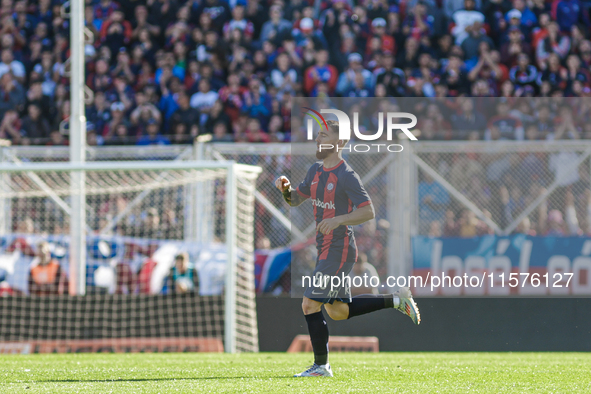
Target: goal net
(169,254)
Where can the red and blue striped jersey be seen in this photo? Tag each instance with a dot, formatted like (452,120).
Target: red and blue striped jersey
(334,191)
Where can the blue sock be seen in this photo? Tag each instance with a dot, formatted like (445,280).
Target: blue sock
(319,336)
(369,303)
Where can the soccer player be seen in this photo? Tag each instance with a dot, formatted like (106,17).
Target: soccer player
(335,189)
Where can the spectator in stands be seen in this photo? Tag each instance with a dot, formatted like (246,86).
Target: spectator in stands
(10,126)
(471,44)
(46,276)
(553,225)
(180,135)
(554,42)
(57,139)
(576,73)
(34,126)
(12,95)
(434,229)
(468,121)
(309,35)
(144,111)
(150,226)
(284,77)
(434,199)
(514,47)
(524,75)
(204,99)
(254,132)
(9,64)
(127,281)
(568,13)
(321,72)
(99,113)
(239,23)
(220,133)
(186,115)
(451,6)
(450,226)
(470,226)
(524,227)
(390,76)
(387,42)
(504,126)
(117,117)
(276,26)
(544,123)
(153,136)
(554,75)
(418,23)
(528,19)
(362,273)
(257,103)
(566,127)
(121,136)
(183,277)
(36,96)
(464,20)
(488,70)
(347,80)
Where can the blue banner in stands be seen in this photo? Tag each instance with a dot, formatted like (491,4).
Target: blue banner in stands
(497,266)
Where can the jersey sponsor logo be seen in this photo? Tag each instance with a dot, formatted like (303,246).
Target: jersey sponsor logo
(330,186)
(323,205)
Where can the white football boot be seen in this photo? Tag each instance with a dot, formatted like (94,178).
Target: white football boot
(316,371)
(407,305)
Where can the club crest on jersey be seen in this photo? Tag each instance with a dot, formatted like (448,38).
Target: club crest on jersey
(330,186)
(323,205)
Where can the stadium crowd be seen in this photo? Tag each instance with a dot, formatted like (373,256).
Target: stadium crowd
(165,71)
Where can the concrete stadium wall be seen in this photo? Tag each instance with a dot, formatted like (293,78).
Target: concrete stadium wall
(448,324)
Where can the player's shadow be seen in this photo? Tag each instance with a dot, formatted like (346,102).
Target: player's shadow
(154,379)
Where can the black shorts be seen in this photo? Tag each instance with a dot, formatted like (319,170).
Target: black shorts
(323,288)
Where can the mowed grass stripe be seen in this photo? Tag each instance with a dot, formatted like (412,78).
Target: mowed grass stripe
(271,373)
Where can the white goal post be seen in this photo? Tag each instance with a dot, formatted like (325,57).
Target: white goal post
(215,198)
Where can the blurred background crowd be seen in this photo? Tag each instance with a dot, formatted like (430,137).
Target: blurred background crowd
(165,71)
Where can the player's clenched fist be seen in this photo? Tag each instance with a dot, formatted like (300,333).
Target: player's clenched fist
(282,183)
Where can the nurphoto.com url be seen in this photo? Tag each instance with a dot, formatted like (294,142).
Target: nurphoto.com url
(492,279)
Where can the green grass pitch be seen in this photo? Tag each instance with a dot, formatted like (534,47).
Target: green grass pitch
(271,373)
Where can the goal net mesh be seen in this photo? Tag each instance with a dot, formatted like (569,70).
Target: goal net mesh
(137,222)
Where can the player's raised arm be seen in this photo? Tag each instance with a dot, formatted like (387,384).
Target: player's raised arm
(284,185)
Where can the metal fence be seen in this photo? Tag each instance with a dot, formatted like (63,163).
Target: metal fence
(476,188)
(458,188)
(453,189)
